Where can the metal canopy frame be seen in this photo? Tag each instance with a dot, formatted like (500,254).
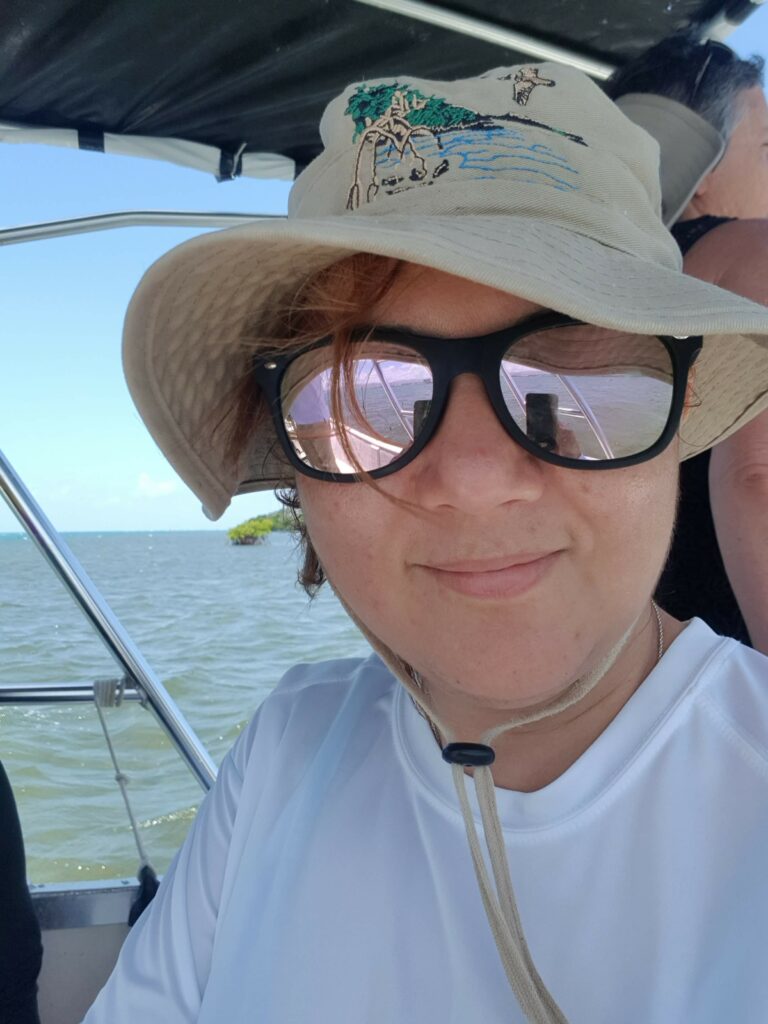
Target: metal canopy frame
(415,10)
(539,49)
(218,97)
(128,219)
(498,35)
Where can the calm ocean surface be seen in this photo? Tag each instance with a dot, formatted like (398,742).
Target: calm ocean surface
(218,624)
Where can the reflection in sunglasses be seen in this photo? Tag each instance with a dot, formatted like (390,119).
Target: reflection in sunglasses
(326,445)
(580,392)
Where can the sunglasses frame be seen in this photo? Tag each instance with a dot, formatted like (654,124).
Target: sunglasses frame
(481,356)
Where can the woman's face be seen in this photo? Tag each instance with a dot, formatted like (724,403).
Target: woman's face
(498,577)
(738,186)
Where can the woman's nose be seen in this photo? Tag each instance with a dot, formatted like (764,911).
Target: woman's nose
(472,464)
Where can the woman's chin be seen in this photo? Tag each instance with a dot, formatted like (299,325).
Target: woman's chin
(498,687)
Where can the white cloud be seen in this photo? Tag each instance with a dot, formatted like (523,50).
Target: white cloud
(149,488)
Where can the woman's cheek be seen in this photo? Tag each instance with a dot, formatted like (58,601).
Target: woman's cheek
(612,512)
(350,537)
(634,512)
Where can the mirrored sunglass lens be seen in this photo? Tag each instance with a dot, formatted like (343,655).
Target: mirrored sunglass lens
(364,419)
(588,393)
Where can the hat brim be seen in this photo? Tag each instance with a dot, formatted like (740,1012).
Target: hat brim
(184,347)
(690,147)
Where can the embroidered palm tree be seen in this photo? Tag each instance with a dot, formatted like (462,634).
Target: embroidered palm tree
(394,114)
(391,127)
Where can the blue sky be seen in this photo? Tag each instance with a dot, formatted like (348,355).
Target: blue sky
(67,423)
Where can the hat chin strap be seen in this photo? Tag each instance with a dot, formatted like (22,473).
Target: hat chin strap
(537,1003)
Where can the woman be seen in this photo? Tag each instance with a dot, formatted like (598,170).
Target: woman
(706,108)
(490,489)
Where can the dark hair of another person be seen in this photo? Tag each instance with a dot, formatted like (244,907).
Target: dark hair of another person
(706,77)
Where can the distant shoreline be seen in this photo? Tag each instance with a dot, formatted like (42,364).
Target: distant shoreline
(97,533)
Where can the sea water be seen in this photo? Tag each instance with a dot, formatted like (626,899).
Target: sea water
(218,624)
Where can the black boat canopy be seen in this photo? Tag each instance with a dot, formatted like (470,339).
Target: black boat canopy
(237,86)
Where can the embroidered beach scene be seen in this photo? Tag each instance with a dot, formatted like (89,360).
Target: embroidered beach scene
(406,139)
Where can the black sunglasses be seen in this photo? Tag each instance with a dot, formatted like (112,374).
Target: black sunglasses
(569,393)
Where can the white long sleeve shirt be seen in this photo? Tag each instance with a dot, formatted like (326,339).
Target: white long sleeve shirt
(327,878)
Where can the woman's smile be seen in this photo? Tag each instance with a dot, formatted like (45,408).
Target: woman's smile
(505,577)
(490,552)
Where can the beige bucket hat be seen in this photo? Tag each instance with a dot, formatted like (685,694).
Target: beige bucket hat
(690,146)
(527,179)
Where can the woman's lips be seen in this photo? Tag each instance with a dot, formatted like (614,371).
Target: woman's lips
(500,577)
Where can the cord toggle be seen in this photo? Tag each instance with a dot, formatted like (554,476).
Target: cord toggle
(469,755)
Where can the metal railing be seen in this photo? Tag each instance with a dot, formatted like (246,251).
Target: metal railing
(128,219)
(61,693)
(133,667)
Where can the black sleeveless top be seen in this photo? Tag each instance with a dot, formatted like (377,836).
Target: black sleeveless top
(21,952)
(694,580)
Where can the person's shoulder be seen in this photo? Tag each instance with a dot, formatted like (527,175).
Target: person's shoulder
(733,234)
(309,698)
(733,687)
(734,255)
(330,680)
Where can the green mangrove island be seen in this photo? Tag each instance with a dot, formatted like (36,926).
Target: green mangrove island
(253,531)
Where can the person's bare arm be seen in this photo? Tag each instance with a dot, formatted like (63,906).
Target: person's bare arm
(738,490)
(735,256)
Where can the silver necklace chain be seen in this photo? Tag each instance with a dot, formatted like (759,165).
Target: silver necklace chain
(660,625)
